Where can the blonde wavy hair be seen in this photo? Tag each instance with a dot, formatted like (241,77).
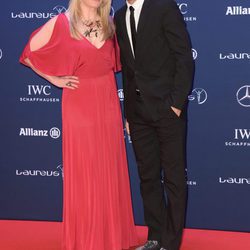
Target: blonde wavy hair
(108,27)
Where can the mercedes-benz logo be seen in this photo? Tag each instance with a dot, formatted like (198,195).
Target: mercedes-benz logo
(59,9)
(243,96)
(1,54)
(198,94)
(195,53)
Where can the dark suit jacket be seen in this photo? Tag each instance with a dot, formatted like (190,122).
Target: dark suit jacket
(163,68)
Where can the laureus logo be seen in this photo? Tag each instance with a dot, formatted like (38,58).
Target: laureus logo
(60,168)
(199,95)
(40,172)
(39,15)
(234,180)
(195,53)
(59,9)
(235,56)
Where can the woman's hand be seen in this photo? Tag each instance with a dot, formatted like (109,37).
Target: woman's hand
(70,82)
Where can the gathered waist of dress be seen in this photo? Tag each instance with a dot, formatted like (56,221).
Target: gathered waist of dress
(92,75)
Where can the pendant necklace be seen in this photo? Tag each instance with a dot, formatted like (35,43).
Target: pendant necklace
(91,27)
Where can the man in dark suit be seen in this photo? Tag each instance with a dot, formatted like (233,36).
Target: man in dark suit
(157,68)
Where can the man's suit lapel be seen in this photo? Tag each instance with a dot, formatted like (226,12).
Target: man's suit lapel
(143,16)
(143,19)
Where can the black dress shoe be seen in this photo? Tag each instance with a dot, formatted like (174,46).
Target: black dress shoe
(151,245)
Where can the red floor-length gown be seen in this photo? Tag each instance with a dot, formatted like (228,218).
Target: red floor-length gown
(97,211)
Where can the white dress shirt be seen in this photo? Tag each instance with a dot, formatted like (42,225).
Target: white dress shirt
(137,5)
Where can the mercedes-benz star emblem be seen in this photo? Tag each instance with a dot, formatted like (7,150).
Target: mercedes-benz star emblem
(243,96)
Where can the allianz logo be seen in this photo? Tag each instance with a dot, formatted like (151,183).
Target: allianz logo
(235,56)
(54,132)
(237,11)
(39,15)
(231,180)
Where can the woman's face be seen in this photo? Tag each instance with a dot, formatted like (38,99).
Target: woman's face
(92,3)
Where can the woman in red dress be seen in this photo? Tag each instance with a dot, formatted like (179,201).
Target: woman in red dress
(77,51)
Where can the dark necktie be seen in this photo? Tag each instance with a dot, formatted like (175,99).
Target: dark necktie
(132,27)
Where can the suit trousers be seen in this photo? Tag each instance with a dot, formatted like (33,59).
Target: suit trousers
(159,148)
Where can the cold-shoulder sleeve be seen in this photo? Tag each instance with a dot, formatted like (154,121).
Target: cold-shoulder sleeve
(116,55)
(50,59)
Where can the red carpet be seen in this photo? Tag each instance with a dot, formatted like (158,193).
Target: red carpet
(33,235)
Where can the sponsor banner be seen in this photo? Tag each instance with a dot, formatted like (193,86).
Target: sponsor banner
(241,138)
(185,11)
(234,56)
(198,95)
(237,11)
(40,173)
(221,52)
(243,96)
(39,93)
(58,9)
(234,180)
(53,133)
